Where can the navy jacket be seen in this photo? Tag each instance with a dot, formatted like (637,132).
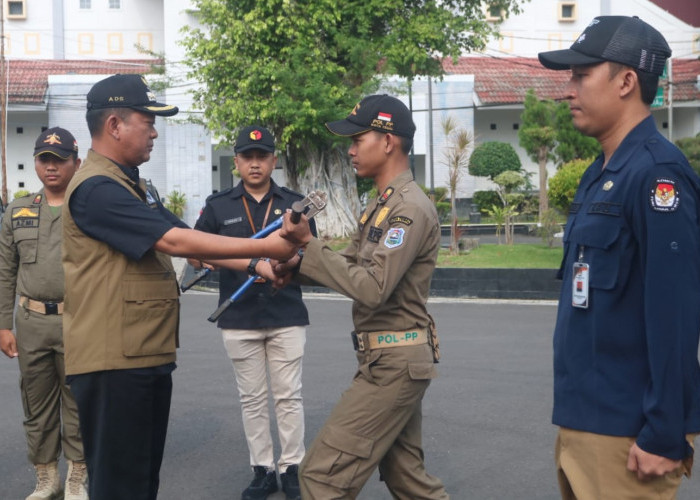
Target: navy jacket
(628,365)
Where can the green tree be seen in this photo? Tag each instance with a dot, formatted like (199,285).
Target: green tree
(507,182)
(563,184)
(489,159)
(20,194)
(292,66)
(176,202)
(691,149)
(537,135)
(571,144)
(455,154)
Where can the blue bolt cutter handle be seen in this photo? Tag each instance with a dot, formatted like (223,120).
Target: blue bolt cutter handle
(316,202)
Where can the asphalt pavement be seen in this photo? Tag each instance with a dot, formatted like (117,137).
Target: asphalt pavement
(486,425)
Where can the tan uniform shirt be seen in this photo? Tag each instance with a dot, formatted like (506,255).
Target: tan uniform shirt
(30,254)
(388,265)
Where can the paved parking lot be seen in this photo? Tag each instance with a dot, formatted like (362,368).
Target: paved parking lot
(486,418)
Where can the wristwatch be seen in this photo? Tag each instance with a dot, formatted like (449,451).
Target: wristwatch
(251,266)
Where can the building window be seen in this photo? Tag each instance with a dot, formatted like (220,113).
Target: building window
(85,4)
(505,43)
(554,41)
(516,126)
(20,130)
(567,11)
(145,41)
(115,4)
(115,43)
(20,166)
(492,126)
(16,9)
(32,44)
(494,13)
(21,184)
(85,43)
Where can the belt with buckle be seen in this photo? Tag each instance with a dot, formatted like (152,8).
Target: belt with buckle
(41,307)
(364,341)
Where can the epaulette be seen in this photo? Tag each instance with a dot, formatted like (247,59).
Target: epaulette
(663,151)
(290,191)
(220,193)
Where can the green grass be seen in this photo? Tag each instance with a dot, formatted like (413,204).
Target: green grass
(504,256)
(491,256)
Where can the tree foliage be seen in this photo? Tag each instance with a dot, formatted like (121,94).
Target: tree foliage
(563,184)
(537,135)
(489,159)
(571,144)
(292,66)
(691,149)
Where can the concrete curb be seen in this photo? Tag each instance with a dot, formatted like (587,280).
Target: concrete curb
(522,284)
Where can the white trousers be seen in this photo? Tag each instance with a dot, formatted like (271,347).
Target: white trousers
(277,351)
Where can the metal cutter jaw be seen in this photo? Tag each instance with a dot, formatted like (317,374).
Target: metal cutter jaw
(314,202)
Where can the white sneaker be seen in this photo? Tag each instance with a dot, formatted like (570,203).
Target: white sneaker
(48,484)
(76,481)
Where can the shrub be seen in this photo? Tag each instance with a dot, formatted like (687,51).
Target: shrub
(563,184)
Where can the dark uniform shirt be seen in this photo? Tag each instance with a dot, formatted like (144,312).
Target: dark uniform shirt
(628,364)
(107,212)
(225,214)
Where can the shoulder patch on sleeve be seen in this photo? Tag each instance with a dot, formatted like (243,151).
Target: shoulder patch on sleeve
(394,237)
(400,219)
(664,195)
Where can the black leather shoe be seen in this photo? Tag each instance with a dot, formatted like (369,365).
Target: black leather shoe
(264,483)
(290,483)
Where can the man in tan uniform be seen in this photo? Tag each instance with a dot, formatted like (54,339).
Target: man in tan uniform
(30,265)
(386,270)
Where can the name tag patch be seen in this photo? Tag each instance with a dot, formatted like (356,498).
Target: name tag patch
(228,222)
(374,234)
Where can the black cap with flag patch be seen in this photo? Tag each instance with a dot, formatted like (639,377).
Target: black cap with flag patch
(621,39)
(57,141)
(127,91)
(383,113)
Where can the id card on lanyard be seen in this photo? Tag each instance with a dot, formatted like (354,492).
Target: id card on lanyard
(581,276)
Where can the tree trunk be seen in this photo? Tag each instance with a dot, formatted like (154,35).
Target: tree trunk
(454,243)
(328,171)
(544,204)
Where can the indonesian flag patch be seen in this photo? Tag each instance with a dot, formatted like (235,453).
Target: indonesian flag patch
(664,196)
(384,116)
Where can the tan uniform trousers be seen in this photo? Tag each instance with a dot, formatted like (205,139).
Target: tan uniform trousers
(253,353)
(594,467)
(46,398)
(377,422)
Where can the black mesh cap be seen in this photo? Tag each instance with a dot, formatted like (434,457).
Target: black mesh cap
(621,39)
(383,113)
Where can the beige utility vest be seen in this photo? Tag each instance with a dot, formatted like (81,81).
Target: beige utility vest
(119,313)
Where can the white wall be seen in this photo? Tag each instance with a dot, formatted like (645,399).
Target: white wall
(538,28)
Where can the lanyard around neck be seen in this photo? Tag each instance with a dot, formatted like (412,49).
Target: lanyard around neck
(250,217)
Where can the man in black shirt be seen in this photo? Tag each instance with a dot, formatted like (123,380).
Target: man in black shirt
(262,331)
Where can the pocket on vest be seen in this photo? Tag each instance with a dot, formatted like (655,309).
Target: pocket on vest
(151,317)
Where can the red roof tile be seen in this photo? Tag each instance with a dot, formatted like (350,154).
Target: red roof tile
(501,81)
(28,78)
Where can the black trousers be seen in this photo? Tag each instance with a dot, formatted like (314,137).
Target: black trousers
(123,421)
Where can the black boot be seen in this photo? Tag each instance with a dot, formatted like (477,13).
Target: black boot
(264,483)
(290,483)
